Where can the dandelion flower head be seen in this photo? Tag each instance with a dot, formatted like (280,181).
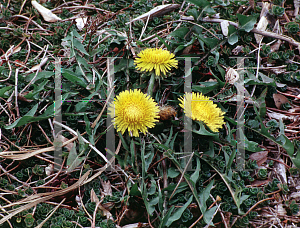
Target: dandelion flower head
(199,107)
(135,111)
(158,59)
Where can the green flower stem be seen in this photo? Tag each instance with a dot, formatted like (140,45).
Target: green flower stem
(151,84)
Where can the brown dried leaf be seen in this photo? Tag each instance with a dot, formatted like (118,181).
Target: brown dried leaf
(231,75)
(275,47)
(81,22)
(63,139)
(107,191)
(252,3)
(278,116)
(94,197)
(22,98)
(258,183)
(237,50)
(49,169)
(295,195)
(279,100)
(224,26)
(263,21)
(46,13)
(277,29)
(104,211)
(280,210)
(262,26)
(281,170)
(187,50)
(227,216)
(265,9)
(259,157)
(38,66)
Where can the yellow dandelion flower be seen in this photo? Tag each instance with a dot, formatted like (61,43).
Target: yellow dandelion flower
(135,111)
(158,59)
(199,107)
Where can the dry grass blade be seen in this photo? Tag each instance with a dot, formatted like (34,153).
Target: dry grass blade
(99,116)
(182,175)
(22,155)
(103,210)
(41,198)
(156,12)
(45,220)
(90,145)
(105,167)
